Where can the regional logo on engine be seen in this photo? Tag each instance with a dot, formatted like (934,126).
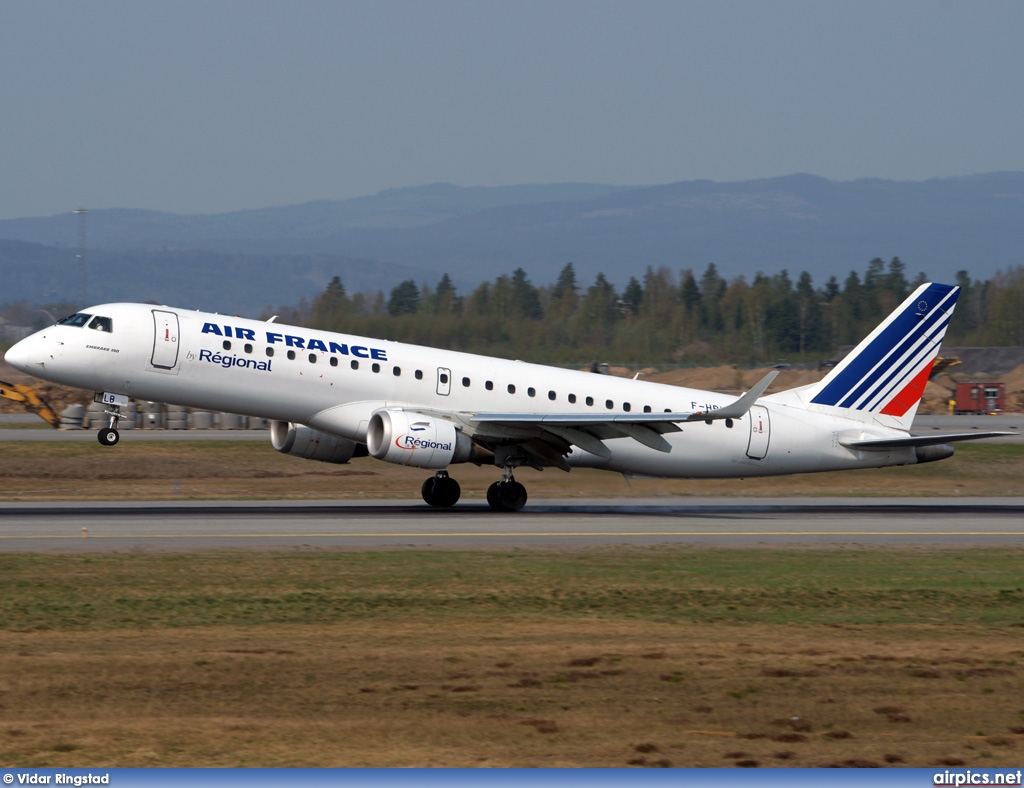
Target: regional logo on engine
(411,442)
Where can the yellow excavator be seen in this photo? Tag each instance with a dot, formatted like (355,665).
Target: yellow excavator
(33,403)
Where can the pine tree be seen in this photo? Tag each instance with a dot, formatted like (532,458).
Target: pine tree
(632,296)
(525,298)
(405,299)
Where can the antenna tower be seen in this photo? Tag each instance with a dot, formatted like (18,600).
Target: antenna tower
(83,268)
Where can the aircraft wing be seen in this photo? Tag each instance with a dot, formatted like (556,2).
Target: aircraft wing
(589,430)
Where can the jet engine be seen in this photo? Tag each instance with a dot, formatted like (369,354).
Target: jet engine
(302,441)
(408,438)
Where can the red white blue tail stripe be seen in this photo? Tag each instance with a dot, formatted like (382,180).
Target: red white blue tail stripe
(887,372)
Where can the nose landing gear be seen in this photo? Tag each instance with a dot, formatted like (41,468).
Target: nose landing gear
(109,436)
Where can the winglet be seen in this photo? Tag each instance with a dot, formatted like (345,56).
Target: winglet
(739,408)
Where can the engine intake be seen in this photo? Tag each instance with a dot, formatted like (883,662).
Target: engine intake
(302,441)
(409,438)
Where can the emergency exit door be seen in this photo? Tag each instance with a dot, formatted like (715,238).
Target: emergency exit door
(444,381)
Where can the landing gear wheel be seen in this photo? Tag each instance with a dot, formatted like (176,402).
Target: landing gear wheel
(108,436)
(493,496)
(506,496)
(441,491)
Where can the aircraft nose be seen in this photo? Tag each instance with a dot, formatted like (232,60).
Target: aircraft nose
(20,355)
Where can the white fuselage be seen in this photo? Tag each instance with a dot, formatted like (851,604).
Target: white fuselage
(335,382)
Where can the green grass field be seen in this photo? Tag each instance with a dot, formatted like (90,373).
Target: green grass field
(94,592)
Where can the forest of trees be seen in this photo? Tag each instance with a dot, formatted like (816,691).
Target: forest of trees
(664,318)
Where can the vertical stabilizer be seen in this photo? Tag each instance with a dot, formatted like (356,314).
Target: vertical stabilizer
(887,372)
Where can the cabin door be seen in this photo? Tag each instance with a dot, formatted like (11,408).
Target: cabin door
(165,339)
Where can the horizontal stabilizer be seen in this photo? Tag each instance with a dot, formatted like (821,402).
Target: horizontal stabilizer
(884,444)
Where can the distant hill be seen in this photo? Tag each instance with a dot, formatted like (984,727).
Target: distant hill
(193,279)
(286,228)
(276,255)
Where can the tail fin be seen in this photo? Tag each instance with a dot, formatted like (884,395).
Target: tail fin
(887,372)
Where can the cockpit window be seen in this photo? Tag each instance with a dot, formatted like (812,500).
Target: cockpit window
(78,320)
(102,324)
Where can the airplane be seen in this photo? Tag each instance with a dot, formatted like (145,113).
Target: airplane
(332,397)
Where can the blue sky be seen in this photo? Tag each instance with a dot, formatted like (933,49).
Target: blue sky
(210,106)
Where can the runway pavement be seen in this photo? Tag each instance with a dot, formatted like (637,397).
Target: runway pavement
(544,524)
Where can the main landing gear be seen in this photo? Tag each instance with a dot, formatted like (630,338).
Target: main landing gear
(507,495)
(441,490)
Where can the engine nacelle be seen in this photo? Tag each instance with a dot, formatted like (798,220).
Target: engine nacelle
(302,441)
(933,453)
(407,438)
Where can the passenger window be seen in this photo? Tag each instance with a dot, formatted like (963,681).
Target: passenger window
(419,374)
(647,408)
(443,377)
(609,404)
(397,371)
(489,385)
(226,344)
(248,348)
(627,407)
(511,388)
(590,402)
(572,399)
(531,392)
(465,382)
(375,367)
(354,364)
(334,361)
(291,353)
(552,395)
(312,358)
(270,352)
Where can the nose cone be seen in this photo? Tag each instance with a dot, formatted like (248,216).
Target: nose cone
(20,356)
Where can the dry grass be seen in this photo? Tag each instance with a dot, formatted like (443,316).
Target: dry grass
(241,470)
(499,693)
